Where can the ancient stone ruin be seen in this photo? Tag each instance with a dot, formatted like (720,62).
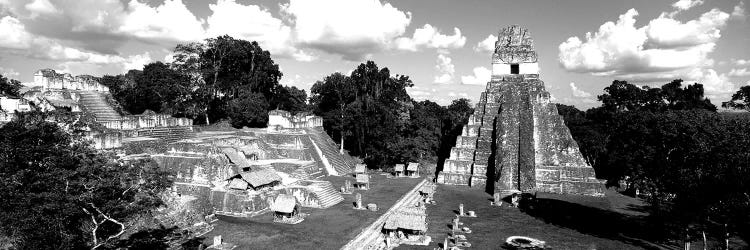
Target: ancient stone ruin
(516,141)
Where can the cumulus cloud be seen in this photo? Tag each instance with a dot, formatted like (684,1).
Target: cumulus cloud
(481,76)
(445,69)
(739,72)
(171,20)
(430,37)
(739,11)
(351,28)
(686,4)
(8,72)
(39,7)
(486,45)
(253,23)
(741,62)
(578,92)
(664,48)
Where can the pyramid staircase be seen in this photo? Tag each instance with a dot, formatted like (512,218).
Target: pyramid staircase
(326,193)
(168,134)
(94,103)
(343,163)
(308,172)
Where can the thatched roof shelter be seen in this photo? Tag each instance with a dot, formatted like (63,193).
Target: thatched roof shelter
(399,168)
(238,183)
(428,189)
(284,203)
(360,168)
(260,177)
(235,157)
(413,166)
(406,221)
(363,178)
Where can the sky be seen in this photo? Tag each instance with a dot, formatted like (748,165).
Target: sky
(445,47)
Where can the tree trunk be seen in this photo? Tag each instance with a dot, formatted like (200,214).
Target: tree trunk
(704,239)
(207,122)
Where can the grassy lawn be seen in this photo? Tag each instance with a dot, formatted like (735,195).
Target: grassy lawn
(324,228)
(564,222)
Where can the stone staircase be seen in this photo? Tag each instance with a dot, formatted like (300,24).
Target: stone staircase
(94,103)
(343,163)
(168,134)
(308,172)
(326,193)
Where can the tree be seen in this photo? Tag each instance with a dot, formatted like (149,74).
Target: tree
(223,68)
(53,180)
(740,99)
(10,87)
(251,109)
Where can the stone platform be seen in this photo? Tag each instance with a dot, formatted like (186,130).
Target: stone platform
(516,141)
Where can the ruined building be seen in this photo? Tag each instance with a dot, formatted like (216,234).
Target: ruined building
(516,141)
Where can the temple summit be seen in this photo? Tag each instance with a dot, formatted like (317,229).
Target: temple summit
(516,142)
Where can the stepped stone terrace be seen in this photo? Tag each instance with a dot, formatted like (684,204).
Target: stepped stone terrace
(516,141)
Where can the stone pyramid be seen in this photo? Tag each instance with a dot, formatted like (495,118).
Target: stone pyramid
(516,141)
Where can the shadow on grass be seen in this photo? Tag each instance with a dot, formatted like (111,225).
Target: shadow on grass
(595,221)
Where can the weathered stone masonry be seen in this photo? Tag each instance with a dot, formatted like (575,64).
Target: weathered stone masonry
(516,138)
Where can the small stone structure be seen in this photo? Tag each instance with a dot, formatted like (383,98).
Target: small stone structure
(516,141)
(286,210)
(363,181)
(49,79)
(412,169)
(398,170)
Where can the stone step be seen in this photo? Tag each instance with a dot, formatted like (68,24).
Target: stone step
(327,194)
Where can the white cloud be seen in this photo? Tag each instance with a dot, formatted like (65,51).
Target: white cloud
(481,76)
(739,11)
(739,72)
(486,45)
(717,86)
(445,68)
(14,35)
(171,20)
(686,4)
(8,72)
(430,37)
(741,62)
(665,48)
(351,28)
(578,92)
(137,61)
(41,7)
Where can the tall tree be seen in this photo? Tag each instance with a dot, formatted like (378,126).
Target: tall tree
(740,99)
(53,180)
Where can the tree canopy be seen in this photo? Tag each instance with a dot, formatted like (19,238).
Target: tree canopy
(378,120)
(57,192)
(9,87)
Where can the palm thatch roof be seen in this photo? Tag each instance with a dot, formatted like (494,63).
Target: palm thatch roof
(406,221)
(235,157)
(428,189)
(284,203)
(238,183)
(363,178)
(412,166)
(399,168)
(260,177)
(360,168)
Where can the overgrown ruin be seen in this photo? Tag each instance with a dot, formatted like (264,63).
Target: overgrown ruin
(516,141)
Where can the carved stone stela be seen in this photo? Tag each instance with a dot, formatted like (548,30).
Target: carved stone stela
(516,139)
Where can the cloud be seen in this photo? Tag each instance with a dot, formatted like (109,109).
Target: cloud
(430,37)
(741,62)
(253,23)
(445,68)
(739,11)
(486,45)
(739,72)
(686,4)
(171,20)
(8,72)
(41,7)
(578,92)
(137,61)
(350,28)
(481,76)
(665,48)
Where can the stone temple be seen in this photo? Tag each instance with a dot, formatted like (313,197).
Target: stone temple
(516,141)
